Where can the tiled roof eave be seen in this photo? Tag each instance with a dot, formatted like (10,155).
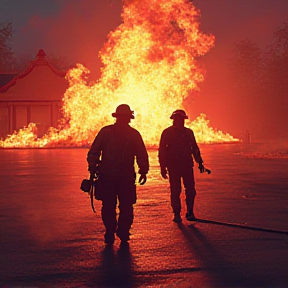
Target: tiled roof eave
(39,61)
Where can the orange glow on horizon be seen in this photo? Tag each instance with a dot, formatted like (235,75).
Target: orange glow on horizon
(149,62)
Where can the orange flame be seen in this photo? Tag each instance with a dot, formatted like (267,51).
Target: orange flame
(149,62)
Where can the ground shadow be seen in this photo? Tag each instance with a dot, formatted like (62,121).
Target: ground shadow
(211,260)
(116,267)
(220,267)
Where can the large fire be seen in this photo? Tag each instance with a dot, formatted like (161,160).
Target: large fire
(149,62)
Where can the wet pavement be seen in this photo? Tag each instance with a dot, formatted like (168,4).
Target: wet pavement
(51,238)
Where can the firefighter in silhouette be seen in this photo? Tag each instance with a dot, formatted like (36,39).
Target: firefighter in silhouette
(113,154)
(177,149)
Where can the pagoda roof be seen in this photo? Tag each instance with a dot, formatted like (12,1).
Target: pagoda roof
(40,60)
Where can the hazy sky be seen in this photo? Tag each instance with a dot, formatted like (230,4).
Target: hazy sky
(77,29)
(36,22)
(232,21)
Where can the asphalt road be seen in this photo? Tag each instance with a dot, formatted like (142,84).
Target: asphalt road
(51,238)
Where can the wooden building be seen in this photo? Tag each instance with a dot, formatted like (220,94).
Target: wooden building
(35,95)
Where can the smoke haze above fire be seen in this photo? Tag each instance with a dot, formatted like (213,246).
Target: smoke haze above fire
(78,30)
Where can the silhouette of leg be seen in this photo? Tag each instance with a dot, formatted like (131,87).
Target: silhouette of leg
(189,185)
(125,221)
(175,187)
(108,214)
(127,197)
(190,192)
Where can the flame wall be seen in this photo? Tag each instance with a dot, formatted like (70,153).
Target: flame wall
(149,62)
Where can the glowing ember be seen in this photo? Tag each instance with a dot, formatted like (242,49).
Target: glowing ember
(149,63)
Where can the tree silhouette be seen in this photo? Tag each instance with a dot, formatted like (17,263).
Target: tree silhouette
(258,78)
(6,55)
(246,67)
(276,67)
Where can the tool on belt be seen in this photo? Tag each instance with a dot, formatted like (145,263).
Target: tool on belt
(89,186)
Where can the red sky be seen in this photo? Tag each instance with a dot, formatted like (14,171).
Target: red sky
(77,30)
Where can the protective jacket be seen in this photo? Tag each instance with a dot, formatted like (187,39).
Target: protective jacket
(177,145)
(116,147)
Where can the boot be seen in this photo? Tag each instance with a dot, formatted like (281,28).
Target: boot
(190,216)
(109,238)
(177,218)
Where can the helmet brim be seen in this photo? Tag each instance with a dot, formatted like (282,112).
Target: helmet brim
(120,114)
(179,116)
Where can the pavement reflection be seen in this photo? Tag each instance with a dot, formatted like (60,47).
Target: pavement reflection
(51,238)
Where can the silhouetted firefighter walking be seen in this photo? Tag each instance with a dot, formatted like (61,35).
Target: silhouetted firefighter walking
(112,156)
(177,145)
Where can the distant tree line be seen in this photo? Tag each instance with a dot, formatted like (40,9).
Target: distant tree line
(259,78)
(8,61)
(6,55)
(253,69)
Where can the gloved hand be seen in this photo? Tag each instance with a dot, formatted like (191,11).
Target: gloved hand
(92,169)
(201,167)
(164,173)
(142,179)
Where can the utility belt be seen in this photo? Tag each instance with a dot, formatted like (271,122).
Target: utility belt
(97,185)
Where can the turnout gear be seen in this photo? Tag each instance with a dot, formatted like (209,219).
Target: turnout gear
(177,152)
(117,147)
(178,147)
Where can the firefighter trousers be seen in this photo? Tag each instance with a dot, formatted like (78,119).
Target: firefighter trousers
(176,174)
(123,192)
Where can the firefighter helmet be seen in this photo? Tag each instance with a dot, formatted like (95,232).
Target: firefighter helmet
(179,113)
(123,110)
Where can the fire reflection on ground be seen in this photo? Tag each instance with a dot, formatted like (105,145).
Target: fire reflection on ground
(50,235)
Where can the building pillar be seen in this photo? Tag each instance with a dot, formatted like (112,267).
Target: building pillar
(11,119)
